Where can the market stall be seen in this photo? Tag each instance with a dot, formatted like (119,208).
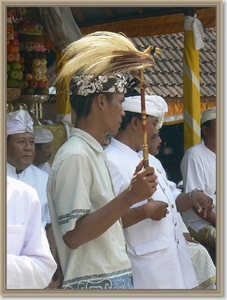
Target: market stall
(28,47)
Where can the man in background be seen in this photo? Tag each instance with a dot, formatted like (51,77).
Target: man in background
(20,156)
(198,169)
(43,148)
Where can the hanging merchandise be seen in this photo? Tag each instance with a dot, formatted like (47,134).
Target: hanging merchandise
(33,55)
(26,50)
(14,74)
(27,81)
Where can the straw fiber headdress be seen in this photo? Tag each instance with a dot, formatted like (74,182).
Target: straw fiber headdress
(104,53)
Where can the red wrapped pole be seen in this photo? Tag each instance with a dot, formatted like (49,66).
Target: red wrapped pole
(144,121)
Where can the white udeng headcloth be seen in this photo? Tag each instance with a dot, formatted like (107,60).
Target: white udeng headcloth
(19,121)
(156,106)
(208,114)
(42,136)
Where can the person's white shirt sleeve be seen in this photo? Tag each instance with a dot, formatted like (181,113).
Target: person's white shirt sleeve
(30,264)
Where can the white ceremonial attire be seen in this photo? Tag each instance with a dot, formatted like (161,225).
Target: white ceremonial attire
(37,179)
(157,249)
(198,169)
(80,183)
(204,267)
(45,167)
(30,264)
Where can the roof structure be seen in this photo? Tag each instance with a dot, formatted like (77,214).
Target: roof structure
(162,27)
(141,21)
(166,78)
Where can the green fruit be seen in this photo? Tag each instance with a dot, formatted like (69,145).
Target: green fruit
(42,91)
(29,91)
(21,84)
(12,82)
(13,74)
(20,75)
(8,67)
(15,65)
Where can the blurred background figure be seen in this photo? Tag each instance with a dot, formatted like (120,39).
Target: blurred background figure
(43,148)
(106,141)
(198,169)
(30,264)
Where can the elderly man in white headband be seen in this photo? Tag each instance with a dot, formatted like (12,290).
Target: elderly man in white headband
(198,169)
(43,148)
(155,242)
(20,155)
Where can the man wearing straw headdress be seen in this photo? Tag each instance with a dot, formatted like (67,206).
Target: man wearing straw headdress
(155,243)
(85,213)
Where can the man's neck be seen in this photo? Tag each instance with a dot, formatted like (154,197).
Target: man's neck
(210,145)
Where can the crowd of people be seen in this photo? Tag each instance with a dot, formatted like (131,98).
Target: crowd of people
(97,218)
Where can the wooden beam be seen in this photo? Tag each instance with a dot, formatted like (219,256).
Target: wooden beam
(78,13)
(139,10)
(108,12)
(155,25)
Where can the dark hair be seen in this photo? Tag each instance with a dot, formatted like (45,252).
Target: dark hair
(128,117)
(132,93)
(8,138)
(207,123)
(82,104)
(38,146)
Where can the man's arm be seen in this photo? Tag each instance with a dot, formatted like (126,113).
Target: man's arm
(92,225)
(58,276)
(211,218)
(197,199)
(154,209)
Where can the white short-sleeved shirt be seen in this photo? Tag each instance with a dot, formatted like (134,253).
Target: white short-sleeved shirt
(156,249)
(198,169)
(79,183)
(37,179)
(30,264)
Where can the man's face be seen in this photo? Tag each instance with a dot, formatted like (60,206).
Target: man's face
(155,144)
(151,128)
(210,132)
(20,150)
(114,113)
(44,154)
